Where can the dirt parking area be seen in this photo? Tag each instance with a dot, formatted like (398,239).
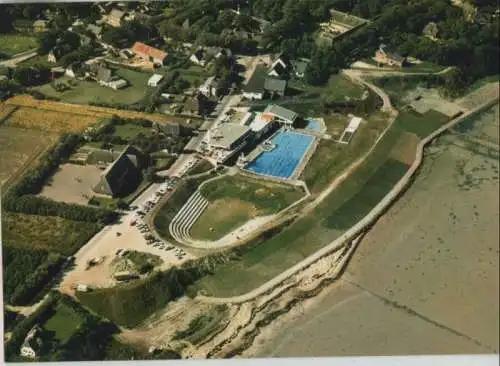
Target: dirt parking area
(425,279)
(72,183)
(105,244)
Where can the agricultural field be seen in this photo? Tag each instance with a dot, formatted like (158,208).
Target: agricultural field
(350,201)
(51,121)
(11,44)
(48,233)
(86,113)
(19,149)
(84,92)
(237,199)
(63,322)
(438,245)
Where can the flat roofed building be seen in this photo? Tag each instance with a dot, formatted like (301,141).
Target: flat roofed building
(228,136)
(155,80)
(281,114)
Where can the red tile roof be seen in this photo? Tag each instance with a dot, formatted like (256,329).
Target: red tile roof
(143,49)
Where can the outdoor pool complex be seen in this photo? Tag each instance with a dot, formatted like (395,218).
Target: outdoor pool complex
(281,162)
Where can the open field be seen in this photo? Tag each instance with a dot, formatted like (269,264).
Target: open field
(72,183)
(83,111)
(19,148)
(337,88)
(49,120)
(267,196)
(221,217)
(64,322)
(10,44)
(45,232)
(430,264)
(84,92)
(238,199)
(352,199)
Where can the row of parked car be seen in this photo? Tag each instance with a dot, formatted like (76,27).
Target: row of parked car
(141,212)
(188,165)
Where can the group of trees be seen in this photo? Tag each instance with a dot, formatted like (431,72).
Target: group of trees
(31,75)
(17,263)
(129,32)
(26,291)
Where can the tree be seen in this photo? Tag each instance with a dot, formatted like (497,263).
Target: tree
(47,40)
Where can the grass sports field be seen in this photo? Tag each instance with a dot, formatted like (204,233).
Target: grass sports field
(83,92)
(64,322)
(237,199)
(341,209)
(45,232)
(19,149)
(10,44)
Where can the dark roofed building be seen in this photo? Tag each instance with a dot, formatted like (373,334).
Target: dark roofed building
(281,66)
(123,175)
(275,87)
(260,85)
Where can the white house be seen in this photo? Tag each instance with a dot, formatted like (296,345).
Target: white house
(280,67)
(31,343)
(155,80)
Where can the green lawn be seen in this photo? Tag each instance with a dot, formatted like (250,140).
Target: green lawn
(37,60)
(130,130)
(269,197)
(422,125)
(10,44)
(64,322)
(337,88)
(342,208)
(84,92)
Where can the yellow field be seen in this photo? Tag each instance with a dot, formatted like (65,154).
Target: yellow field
(50,121)
(85,111)
(5,109)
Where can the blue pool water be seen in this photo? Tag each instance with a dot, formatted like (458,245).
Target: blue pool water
(284,158)
(313,125)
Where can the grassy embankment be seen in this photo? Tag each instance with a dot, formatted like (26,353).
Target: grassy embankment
(235,200)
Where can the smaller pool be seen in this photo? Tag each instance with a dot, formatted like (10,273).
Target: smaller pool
(313,125)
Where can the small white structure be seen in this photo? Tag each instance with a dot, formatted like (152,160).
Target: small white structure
(155,80)
(208,88)
(351,128)
(31,343)
(82,288)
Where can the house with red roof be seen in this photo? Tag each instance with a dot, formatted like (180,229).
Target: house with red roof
(149,53)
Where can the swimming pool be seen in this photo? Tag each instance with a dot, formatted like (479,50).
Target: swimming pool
(312,124)
(282,161)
